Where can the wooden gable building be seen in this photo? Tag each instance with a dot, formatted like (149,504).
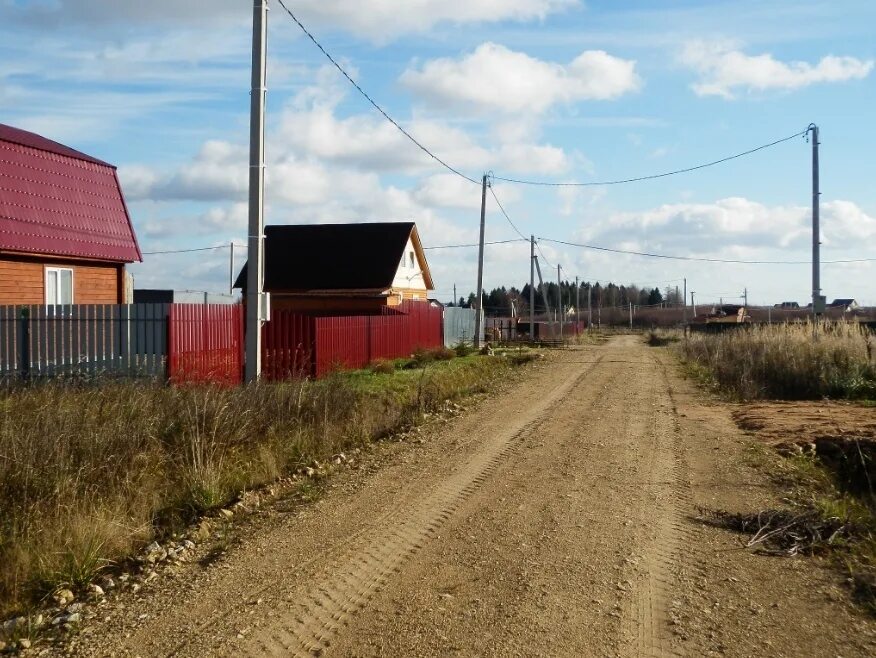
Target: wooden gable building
(343,269)
(65,231)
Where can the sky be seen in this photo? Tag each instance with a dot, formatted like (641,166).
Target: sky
(543,90)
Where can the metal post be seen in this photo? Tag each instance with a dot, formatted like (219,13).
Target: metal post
(255,239)
(24,343)
(817,302)
(560,302)
(480,292)
(531,287)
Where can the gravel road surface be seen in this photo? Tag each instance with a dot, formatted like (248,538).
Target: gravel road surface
(556,518)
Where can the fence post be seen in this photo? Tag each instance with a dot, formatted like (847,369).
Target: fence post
(24,343)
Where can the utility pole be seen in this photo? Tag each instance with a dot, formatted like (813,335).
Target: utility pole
(255,239)
(480,293)
(693,302)
(631,316)
(231,270)
(817,299)
(589,308)
(684,316)
(454,294)
(745,298)
(532,287)
(577,305)
(560,301)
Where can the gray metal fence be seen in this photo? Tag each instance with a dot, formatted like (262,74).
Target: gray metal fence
(83,339)
(459,325)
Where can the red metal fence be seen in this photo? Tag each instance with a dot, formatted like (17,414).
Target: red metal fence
(205,343)
(295,345)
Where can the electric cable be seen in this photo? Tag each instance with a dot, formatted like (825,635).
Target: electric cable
(185,251)
(702,259)
(372,101)
(653,176)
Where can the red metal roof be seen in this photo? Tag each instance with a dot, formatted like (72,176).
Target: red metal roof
(55,200)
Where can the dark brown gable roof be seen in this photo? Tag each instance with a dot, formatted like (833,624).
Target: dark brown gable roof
(332,256)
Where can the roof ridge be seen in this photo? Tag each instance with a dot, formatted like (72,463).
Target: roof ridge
(35,141)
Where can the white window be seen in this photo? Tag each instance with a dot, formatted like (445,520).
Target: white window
(59,286)
(412,260)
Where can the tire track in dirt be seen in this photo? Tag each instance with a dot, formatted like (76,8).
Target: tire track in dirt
(308,627)
(649,613)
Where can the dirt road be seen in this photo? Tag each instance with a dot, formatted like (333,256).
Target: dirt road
(556,519)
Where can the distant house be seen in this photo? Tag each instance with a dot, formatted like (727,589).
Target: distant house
(788,305)
(845,304)
(343,268)
(65,231)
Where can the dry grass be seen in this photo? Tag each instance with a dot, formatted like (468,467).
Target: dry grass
(89,473)
(784,362)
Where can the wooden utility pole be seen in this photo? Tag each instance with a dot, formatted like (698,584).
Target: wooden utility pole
(255,239)
(631,315)
(454,294)
(577,305)
(531,287)
(480,293)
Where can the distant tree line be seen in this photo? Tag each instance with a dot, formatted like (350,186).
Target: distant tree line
(503,302)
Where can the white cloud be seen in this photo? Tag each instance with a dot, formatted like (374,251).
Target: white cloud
(378,20)
(494,77)
(730,224)
(383,19)
(724,69)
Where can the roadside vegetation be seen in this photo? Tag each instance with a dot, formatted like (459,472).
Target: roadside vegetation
(783,362)
(831,506)
(91,472)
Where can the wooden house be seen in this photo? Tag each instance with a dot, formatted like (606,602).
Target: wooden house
(343,269)
(65,231)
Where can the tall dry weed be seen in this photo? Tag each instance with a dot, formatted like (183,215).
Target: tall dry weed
(89,472)
(784,361)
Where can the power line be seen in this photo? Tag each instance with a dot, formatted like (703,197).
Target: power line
(702,258)
(498,203)
(653,176)
(475,244)
(372,101)
(184,251)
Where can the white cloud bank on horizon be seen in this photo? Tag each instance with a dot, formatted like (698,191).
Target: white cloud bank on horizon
(377,20)
(494,77)
(724,70)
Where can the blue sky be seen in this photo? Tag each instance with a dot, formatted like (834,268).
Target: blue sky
(555,90)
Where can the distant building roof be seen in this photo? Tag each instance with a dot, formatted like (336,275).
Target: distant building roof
(342,257)
(56,200)
(842,302)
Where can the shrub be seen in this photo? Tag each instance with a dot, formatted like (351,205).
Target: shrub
(382,367)
(463,349)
